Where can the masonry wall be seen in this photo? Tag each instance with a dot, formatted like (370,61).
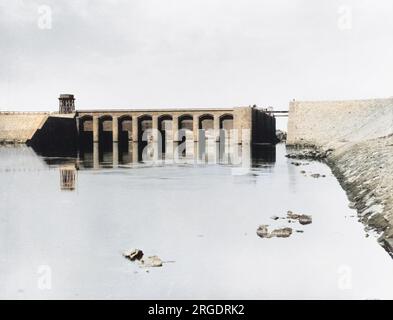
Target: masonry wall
(20,127)
(335,122)
(243,123)
(242,119)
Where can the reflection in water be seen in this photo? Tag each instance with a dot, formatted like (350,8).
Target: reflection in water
(211,152)
(68,177)
(263,154)
(240,157)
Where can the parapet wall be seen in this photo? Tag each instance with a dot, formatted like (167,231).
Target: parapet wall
(20,127)
(335,122)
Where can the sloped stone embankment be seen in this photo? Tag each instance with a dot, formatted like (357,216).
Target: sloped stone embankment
(357,139)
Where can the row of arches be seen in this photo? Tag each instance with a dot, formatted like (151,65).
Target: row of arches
(125,133)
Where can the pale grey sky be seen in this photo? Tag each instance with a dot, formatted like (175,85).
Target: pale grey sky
(200,53)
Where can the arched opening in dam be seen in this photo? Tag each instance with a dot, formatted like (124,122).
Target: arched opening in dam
(124,144)
(206,133)
(105,132)
(145,123)
(186,138)
(86,133)
(206,123)
(226,126)
(225,132)
(165,127)
(125,132)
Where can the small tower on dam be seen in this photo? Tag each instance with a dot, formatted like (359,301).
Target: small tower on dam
(66,103)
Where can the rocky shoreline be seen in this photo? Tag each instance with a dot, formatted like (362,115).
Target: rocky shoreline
(365,171)
(11,142)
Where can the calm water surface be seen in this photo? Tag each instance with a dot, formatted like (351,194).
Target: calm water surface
(71,226)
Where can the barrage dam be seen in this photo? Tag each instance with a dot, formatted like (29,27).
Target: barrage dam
(71,129)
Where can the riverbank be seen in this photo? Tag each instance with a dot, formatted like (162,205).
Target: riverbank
(365,171)
(361,158)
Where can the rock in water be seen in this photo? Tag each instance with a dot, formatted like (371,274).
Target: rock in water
(291,215)
(302,218)
(305,219)
(152,261)
(317,175)
(263,232)
(146,262)
(133,254)
(281,233)
(281,135)
(310,154)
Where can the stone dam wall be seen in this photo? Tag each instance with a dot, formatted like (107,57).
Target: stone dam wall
(357,137)
(49,134)
(336,122)
(20,126)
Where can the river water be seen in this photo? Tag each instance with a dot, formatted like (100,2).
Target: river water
(63,231)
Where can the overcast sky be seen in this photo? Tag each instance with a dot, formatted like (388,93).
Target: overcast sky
(199,53)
